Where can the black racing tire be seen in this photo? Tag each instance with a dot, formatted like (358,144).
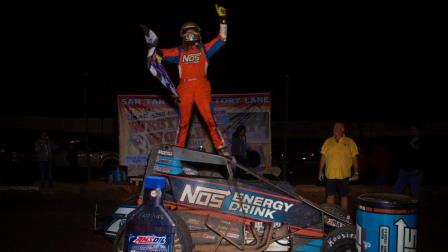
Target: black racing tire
(118,245)
(182,238)
(340,240)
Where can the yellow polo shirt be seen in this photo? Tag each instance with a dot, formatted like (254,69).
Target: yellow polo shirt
(338,157)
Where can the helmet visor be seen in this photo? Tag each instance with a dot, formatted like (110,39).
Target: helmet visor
(191,35)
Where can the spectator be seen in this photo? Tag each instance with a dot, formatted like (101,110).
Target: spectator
(239,147)
(411,164)
(339,154)
(44,148)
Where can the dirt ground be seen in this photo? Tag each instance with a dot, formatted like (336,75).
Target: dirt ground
(63,221)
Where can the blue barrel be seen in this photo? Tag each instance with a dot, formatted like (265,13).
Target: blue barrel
(386,223)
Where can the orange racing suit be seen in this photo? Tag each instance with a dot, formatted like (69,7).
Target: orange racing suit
(194,86)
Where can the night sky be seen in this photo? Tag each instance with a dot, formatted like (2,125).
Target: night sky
(344,61)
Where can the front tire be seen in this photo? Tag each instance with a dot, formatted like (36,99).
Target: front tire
(118,245)
(182,237)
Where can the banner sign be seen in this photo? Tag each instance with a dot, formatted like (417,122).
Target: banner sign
(146,120)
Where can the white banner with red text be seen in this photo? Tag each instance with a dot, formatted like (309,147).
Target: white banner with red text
(146,120)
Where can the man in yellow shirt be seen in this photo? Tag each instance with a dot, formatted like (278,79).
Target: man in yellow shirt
(339,154)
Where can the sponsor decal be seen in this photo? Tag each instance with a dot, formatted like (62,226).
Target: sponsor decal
(406,237)
(361,244)
(149,243)
(164,161)
(149,239)
(240,202)
(191,58)
(204,196)
(257,205)
(332,240)
(384,239)
(168,170)
(165,153)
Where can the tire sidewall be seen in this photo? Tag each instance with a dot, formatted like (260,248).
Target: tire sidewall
(338,238)
(182,238)
(118,245)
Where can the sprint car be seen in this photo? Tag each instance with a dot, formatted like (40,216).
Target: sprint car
(214,211)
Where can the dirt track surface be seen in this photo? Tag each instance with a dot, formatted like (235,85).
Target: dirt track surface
(50,223)
(63,221)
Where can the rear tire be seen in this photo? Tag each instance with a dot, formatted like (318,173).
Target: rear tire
(330,222)
(182,238)
(340,240)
